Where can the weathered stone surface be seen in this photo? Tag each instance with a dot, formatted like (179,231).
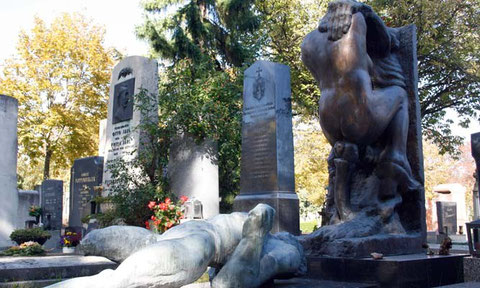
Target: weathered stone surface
(8,167)
(26,198)
(267,169)
(124,139)
(117,242)
(376,163)
(183,253)
(471,266)
(193,172)
(52,204)
(51,267)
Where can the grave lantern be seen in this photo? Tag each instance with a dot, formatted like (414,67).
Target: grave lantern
(473,229)
(193,209)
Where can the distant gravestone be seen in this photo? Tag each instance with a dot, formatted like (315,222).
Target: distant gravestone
(86,175)
(8,167)
(123,136)
(26,198)
(447,217)
(267,165)
(193,172)
(52,204)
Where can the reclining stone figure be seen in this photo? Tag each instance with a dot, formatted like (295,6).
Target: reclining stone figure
(239,245)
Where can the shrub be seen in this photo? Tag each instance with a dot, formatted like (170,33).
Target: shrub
(29,248)
(35,234)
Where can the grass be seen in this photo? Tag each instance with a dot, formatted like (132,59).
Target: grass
(307,227)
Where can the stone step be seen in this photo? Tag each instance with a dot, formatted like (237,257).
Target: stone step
(51,267)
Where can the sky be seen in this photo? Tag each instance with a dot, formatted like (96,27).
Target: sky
(119,17)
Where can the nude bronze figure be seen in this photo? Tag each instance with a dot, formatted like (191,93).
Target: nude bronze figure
(364,114)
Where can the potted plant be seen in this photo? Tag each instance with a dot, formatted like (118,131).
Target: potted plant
(36,212)
(29,248)
(35,234)
(69,241)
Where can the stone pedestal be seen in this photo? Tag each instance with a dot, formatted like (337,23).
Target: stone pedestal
(267,167)
(8,168)
(193,172)
(414,270)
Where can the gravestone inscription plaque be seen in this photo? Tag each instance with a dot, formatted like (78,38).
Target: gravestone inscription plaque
(52,204)
(86,174)
(123,136)
(267,167)
(447,217)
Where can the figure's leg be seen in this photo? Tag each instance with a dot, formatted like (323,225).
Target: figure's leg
(347,157)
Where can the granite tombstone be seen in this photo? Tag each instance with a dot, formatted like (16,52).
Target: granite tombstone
(447,217)
(86,175)
(52,204)
(8,167)
(124,135)
(475,143)
(267,166)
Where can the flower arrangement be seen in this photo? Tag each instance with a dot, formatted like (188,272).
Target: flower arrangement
(166,214)
(35,211)
(29,248)
(70,239)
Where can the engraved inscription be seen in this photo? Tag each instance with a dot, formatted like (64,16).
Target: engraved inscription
(259,86)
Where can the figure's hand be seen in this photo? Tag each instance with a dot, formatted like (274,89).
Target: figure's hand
(338,19)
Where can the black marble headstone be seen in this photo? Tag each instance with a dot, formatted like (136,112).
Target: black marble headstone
(123,101)
(52,204)
(86,173)
(447,217)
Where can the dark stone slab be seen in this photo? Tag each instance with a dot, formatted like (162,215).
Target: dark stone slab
(267,167)
(463,285)
(414,270)
(315,283)
(51,267)
(447,217)
(52,204)
(123,101)
(86,173)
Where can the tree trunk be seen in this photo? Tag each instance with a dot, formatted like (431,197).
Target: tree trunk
(46,167)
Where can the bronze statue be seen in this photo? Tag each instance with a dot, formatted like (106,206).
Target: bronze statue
(364,114)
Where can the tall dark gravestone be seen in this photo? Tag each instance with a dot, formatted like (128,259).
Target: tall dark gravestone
(475,142)
(267,165)
(447,217)
(86,174)
(52,204)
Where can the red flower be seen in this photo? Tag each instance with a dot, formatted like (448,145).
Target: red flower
(183,199)
(168,201)
(163,206)
(147,225)
(169,224)
(153,218)
(151,204)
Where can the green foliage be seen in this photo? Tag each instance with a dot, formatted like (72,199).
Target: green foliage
(25,249)
(35,234)
(308,227)
(60,77)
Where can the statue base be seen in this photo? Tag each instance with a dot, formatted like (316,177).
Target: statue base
(286,205)
(363,246)
(414,270)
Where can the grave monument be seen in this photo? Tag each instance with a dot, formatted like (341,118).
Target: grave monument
(8,167)
(193,172)
(124,135)
(267,167)
(475,142)
(52,204)
(369,112)
(86,175)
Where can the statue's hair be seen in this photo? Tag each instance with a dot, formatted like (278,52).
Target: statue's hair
(387,71)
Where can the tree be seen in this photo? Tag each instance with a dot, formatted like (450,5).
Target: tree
(311,171)
(60,77)
(207,44)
